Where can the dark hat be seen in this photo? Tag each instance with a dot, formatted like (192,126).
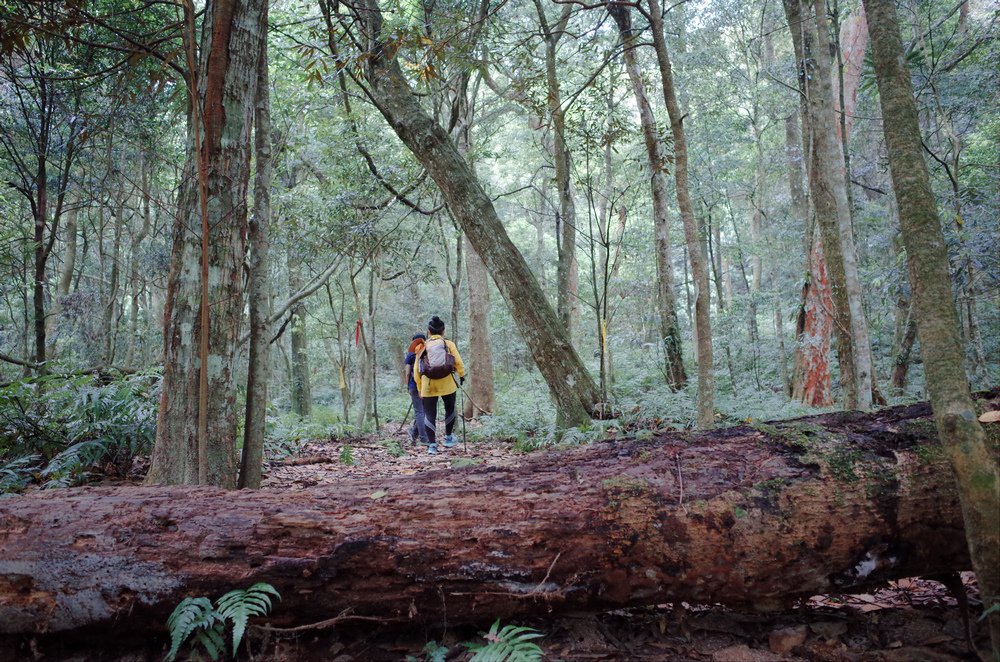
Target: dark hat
(436,325)
(419,336)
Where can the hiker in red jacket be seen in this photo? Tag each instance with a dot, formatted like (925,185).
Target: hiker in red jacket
(436,365)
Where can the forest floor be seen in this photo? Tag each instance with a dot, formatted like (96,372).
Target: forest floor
(911,619)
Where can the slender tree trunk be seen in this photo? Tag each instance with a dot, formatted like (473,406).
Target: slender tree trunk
(479,360)
(111,305)
(65,278)
(258,295)
(479,363)
(40,255)
(456,283)
(699,270)
(567,277)
(906,337)
(570,385)
(962,437)
(301,395)
(136,283)
(670,337)
(227,75)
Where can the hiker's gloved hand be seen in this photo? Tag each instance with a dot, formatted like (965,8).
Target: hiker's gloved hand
(461,380)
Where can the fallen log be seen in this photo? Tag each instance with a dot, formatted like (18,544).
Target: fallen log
(754,515)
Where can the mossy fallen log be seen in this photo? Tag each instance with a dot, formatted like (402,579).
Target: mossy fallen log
(754,515)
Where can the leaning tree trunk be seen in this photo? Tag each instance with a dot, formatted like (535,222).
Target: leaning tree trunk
(748,516)
(571,386)
(670,334)
(963,439)
(230,49)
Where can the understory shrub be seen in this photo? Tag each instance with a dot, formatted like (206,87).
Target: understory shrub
(58,429)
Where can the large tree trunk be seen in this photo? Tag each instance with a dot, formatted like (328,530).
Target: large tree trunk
(829,196)
(186,451)
(670,335)
(699,269)
(814,328)
(963,439)
(571,386)
(747,516)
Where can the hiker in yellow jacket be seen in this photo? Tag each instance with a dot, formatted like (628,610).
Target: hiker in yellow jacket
(439,371)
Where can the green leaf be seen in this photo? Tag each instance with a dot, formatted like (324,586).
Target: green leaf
(512,643)
(187,617)
(239,605)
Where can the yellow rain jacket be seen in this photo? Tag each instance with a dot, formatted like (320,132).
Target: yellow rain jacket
(446,385)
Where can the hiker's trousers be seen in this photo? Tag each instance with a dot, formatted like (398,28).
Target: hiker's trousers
(430,415)
(417,429)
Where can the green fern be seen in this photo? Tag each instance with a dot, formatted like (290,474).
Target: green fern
(512,643)
(197,618)
(239,605)
(191,615)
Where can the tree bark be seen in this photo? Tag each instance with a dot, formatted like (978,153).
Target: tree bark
(811,381)
(975,467)
(748,516)
(571,386)
(228,78)
(699,270)
(906,333)
(65,280)
(301,395)
(258,296)
(670,335)
(567,285)
(480,358)
(829,196)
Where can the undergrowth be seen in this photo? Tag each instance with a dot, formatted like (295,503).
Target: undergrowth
(58,430)
(511,643)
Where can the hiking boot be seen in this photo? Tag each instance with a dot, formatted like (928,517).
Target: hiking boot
(413,435)
(432,449)
(450,441)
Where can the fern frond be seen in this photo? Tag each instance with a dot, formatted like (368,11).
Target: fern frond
(511,643)
(239,605)
(213,641)
(188,616)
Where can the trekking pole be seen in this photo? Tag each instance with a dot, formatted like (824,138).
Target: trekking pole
(465,441)
(406,416)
